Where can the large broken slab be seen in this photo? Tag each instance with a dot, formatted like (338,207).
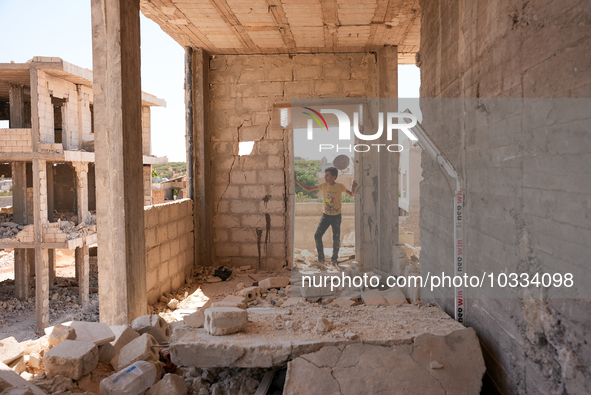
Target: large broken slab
(71,358)
(277,336)
(10,350)
(94,332)
(11,379)
(123,335)
(139,349)
(451,364)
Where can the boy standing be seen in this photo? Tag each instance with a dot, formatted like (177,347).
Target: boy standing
(331,195)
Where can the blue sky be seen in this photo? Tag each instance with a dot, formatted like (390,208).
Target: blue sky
(62,28)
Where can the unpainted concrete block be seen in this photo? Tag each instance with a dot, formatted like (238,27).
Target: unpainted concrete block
(8,379)
(231,301)
(10,350)
(154,325)
(18,365)
(139,349)
(123,335)
(274,282)
(195,319)
(71,358)
(250,293)
(171,384)
(221,321)
(59,333)
(94,332)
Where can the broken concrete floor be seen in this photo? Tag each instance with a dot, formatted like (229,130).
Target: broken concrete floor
(431,364)
(291,336)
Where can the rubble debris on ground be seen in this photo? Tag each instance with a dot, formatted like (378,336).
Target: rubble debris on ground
(65,227)
(228,334)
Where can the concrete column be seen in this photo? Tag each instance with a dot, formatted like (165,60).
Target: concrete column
(52,253)
(198,159)
(147,185)
(30,261)
(39,212)
(19,192)
(376,204)
(83,265)
(42,288)
(22,271)
(41,254)
(16,98)
(21,274)
(118,137)
(82,191)
(50,191)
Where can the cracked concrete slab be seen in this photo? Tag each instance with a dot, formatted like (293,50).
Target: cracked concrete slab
(431,364)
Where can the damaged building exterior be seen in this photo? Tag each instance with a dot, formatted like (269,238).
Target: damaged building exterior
(48,150)
(520,205)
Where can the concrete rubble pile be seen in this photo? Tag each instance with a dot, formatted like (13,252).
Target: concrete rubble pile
(8,229)
(64,225)
(320,341)
(75,357)
(74,231)
(72,357)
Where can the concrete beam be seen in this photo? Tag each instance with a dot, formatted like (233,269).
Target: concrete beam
(197,64)
(118,136)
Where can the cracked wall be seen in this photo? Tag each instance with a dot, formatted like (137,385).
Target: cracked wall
(521,210)
(250,193)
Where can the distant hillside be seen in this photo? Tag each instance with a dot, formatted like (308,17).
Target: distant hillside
(171,170)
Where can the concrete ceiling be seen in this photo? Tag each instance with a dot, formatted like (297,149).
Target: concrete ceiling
(290,26)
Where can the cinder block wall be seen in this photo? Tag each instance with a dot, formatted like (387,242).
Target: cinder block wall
(15,140)
(251,223)
(77,107)
(527,209)
(169,246)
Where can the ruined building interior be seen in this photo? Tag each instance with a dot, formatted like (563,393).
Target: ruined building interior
(206,283)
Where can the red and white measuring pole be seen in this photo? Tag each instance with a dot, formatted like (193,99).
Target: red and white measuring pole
(459,262)
(425,141)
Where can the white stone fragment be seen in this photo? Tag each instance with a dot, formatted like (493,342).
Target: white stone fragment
(195,319)
(171,384)
(221,321)
(10,350)
(274,282)
(59,333)
(71,358)
(139,349)
(154,325)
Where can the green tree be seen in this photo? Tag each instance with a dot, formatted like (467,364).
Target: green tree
(307,172)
